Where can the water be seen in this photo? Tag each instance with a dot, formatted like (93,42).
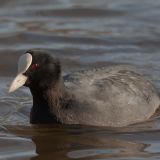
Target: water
(83,34)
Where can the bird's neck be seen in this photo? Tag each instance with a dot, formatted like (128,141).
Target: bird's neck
(48,103)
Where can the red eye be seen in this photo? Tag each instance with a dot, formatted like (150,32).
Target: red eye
(34,66)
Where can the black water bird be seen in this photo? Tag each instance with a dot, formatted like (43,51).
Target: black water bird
(111,96)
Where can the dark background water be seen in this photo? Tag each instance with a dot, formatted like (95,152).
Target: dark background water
(83,34)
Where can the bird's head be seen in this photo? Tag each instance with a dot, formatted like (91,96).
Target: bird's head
(36,69)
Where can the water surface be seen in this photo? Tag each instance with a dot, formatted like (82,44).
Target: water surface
(83,34)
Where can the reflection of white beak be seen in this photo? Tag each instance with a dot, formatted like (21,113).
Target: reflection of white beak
(23,64)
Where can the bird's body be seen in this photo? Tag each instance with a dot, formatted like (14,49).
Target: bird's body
(111,96)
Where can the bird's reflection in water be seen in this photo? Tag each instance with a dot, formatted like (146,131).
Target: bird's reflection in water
(76,143)
(79,142)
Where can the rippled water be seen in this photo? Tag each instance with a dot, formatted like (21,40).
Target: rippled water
(83,34)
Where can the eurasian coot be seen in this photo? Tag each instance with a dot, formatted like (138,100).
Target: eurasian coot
(111,96)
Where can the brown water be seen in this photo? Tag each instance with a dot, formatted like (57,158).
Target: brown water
(83,34)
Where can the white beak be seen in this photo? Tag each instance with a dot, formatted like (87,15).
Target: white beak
(17,82)
(23,64)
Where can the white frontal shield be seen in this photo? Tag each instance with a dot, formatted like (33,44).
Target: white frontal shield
(23,64)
